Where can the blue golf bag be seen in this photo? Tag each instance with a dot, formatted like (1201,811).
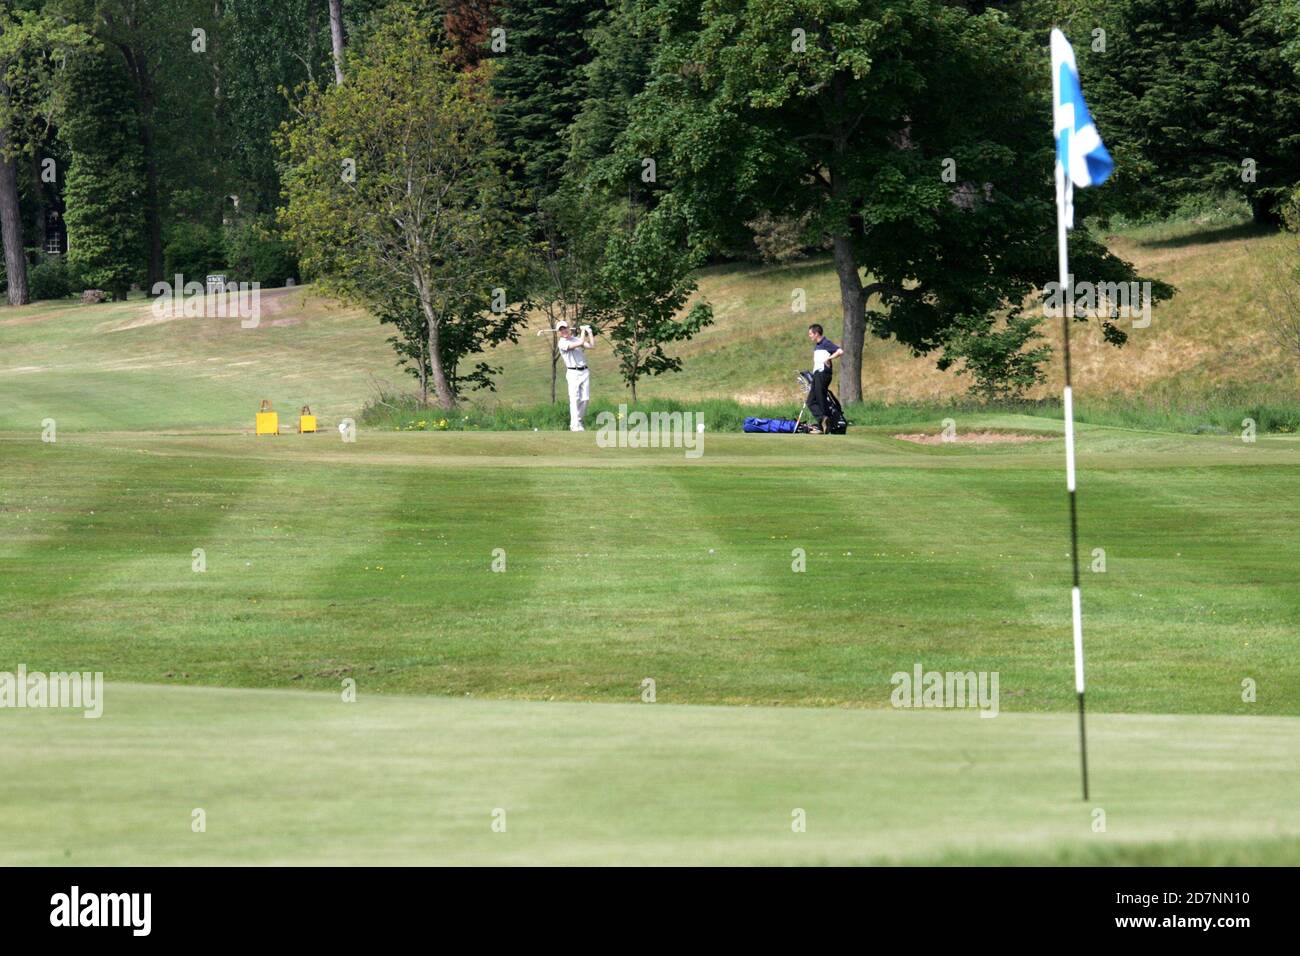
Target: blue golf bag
(785,425)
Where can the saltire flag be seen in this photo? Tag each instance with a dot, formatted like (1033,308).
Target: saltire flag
(1081,160)
(1081,157)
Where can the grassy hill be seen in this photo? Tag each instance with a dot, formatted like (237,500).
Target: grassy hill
(116,366)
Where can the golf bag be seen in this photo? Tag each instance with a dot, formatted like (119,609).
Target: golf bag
(835,420)
(769,425)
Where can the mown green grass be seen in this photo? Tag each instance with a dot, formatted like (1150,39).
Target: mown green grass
(297,778)
(373,560)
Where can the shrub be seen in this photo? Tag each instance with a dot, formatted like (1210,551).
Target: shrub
(256,253)
(49,280)
(192,251)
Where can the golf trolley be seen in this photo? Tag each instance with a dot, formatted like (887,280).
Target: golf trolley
(836,423)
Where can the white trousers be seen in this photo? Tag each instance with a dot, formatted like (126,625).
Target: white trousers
(579,394)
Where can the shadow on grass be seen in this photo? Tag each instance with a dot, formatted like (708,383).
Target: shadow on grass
(1202,237)
(817,262)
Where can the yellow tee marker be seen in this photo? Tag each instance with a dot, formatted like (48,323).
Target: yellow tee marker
(268,422)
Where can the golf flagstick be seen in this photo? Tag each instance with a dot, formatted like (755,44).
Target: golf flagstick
(1081,160)
(1076,608)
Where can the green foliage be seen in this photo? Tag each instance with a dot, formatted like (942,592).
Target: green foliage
(32,42)
(853,125)
(1193,96)
(623,46)
(256,252)
(779,239)
(49,280)
(539,83)
(644,280)
(270,49)
(106,182)
(193,251)
(995,355)
(395,201)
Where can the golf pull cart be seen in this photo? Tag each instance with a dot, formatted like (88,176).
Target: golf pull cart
(836,422)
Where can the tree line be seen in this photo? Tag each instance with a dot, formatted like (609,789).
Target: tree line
(457,164)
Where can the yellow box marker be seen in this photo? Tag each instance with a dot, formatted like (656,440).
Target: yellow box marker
(268,422)
(306,421)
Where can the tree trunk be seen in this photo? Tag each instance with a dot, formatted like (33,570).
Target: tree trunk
(853,304)
(424,373)
(441,387)
(11,224)
(336,38)
(852,299)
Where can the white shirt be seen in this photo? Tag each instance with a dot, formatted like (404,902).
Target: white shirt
(572,353)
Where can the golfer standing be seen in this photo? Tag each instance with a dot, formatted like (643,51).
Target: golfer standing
(576,371)
(824,353)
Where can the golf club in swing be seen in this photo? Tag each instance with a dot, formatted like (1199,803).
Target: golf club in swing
(552,331)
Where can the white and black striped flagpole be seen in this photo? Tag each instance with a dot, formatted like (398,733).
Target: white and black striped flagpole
(1067,315)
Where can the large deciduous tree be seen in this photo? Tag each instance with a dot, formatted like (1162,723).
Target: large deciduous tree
(913,134)
(395,199)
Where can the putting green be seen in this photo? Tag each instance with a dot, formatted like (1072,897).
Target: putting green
(304,778)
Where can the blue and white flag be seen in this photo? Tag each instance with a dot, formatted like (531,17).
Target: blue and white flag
(1081,157)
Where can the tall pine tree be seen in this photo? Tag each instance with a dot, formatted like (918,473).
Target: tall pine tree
(539,83)
(622,47)
(1192,96)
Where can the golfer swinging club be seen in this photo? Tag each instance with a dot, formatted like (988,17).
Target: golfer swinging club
(824,353)
(576,371)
